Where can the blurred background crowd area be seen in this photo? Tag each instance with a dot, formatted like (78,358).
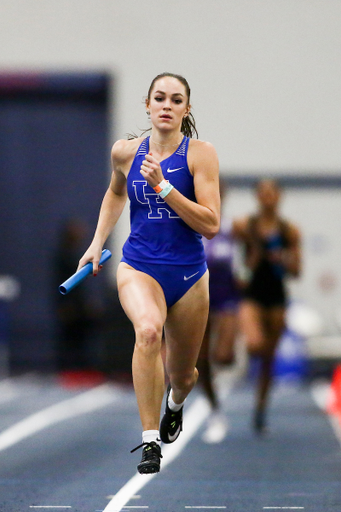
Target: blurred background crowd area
(266,91)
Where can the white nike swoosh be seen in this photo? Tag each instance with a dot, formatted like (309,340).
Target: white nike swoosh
(173,170)
(189,277)
(174,436)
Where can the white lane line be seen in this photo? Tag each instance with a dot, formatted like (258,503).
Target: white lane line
(89,401)
(136,497)
(50,506)
(7,391)
(204,507)
(193,419)
(128,507)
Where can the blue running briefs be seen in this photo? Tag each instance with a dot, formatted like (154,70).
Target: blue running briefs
(175,280)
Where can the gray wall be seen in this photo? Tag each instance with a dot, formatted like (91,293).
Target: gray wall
(265,74)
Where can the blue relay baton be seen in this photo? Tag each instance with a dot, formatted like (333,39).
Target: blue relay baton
(76,278)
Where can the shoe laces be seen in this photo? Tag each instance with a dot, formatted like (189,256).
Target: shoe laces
(152,445)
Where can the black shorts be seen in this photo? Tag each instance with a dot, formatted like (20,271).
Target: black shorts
(268,293)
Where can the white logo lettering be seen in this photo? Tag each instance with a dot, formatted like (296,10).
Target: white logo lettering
(157,206)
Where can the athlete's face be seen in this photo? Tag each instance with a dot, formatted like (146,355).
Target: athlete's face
(268,194)
(168,104)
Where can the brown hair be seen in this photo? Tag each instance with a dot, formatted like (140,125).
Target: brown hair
(188,127)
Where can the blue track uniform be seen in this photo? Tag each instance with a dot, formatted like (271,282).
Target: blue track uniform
(160,243)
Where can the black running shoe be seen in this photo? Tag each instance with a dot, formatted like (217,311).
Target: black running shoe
(151,455)
(171,423)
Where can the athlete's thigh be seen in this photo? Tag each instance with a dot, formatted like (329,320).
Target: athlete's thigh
(206,342)
(141,296)
(275,324)
(251,321)
(185,327)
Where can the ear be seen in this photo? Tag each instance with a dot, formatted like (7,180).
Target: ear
(147,105)
(188,109)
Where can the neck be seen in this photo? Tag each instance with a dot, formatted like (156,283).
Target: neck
(166,141)
(269,215)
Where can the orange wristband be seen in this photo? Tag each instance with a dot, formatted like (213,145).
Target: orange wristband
(160,186)
(157,189)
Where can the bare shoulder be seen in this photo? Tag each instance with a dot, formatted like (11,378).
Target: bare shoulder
(123,151)
(202,158)
(201,148)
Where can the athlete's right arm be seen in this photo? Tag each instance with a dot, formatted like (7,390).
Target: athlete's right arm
(112,204)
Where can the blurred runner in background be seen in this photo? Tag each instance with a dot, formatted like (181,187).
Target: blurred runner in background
(272,253)
(218,346)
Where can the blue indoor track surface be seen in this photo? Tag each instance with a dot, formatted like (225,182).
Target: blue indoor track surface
(68,449)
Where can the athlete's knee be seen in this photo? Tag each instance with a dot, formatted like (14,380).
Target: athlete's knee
(265,350)
(223,358)
(184,381)
(255,343)
(148,335)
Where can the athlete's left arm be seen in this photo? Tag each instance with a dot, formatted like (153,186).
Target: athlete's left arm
(292,257)
(204,215)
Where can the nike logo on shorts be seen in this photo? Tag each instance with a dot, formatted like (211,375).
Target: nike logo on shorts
(173,170)
(189,277)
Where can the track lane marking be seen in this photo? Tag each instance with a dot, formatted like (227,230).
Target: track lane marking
(193,419)
(84,403)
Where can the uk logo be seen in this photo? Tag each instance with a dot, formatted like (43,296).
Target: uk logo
(157,206)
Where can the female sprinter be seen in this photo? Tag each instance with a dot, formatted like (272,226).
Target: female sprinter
(272,253)
(173,186)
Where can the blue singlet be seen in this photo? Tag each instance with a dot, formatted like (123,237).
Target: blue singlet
(158,235)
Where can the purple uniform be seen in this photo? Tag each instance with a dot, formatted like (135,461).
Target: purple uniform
(220,253)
